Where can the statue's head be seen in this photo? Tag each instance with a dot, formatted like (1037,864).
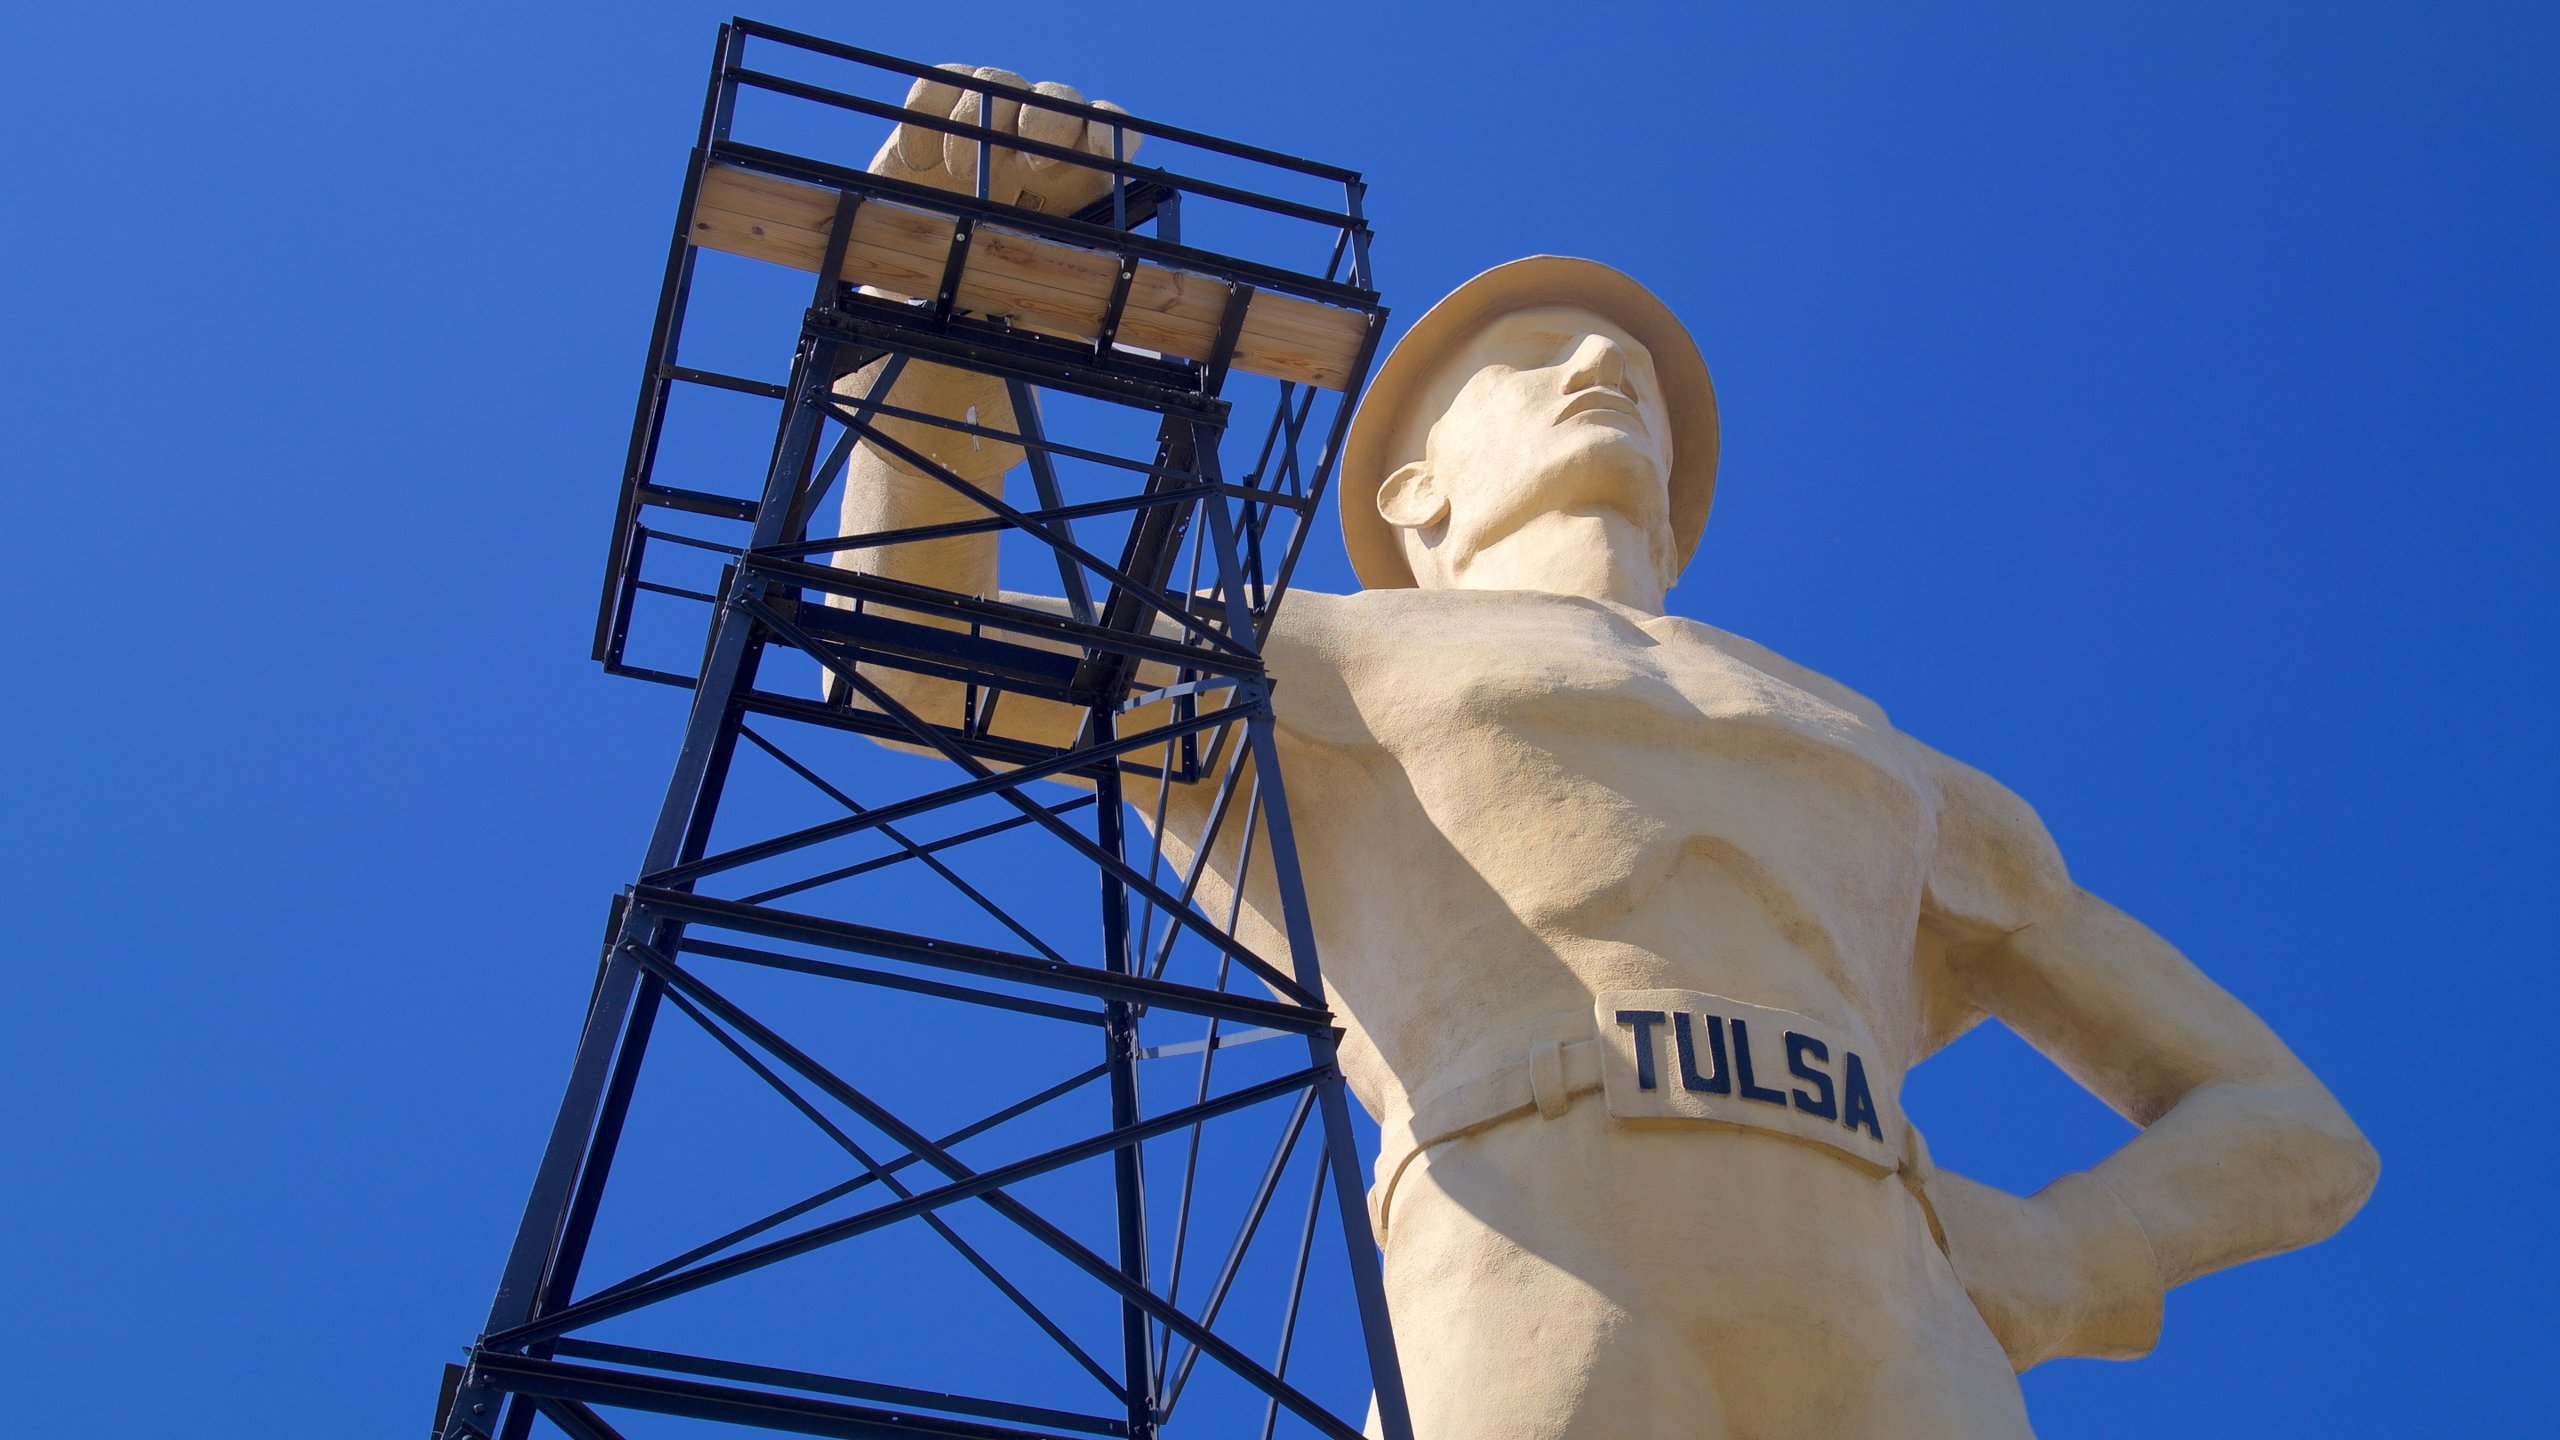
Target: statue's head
(1542,388)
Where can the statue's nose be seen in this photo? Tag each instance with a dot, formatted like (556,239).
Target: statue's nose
(1596,361)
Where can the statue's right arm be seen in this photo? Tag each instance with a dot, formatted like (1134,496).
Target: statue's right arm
(930,475)
(926,474)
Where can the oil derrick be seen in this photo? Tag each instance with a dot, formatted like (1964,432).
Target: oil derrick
(951,1070)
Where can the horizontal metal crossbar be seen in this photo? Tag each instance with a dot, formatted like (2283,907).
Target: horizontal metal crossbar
(1026,145)
(887,980)
(988,663)
(1055,763)
(965,342)
(763,30)
(959,426)
(743,384)
(687,908)
(994,749)
(1227,658)
(1200,1046)
(1183,493)
(693,542)
(735,1405)
(697,502)
(906,1397)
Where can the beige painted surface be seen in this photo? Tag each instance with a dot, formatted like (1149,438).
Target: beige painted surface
(1569,809)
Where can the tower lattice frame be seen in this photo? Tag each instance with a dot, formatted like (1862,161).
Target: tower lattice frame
(1168,575)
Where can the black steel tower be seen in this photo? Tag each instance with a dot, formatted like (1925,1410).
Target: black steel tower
(1045,1052)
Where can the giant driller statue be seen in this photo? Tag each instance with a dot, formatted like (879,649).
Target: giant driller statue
(1636,927)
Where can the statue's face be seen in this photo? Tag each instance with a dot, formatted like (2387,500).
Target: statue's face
(1559,410)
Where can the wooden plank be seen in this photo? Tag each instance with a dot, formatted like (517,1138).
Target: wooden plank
(1042,285)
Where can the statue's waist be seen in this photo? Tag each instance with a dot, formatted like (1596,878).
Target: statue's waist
(1674,1059)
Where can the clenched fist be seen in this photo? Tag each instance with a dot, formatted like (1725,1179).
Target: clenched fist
(883,490)
(1034,182)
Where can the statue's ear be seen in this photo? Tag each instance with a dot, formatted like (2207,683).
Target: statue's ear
(1411,499)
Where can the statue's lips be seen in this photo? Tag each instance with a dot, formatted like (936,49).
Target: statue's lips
(1601,402)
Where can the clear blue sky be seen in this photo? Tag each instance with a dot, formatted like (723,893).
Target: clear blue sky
(2153,405)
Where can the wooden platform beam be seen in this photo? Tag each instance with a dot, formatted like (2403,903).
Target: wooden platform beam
(1040,285)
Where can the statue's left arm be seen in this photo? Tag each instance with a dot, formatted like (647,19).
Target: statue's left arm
(2243,1152)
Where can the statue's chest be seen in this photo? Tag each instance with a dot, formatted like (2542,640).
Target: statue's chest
(1596,730)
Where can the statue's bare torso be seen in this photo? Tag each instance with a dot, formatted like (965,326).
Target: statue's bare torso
(1577,798)
(1509,802)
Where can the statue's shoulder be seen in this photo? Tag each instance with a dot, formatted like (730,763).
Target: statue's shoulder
(1317,641)
(1778,667)
(1344,628)
(1373,637)
(1335,659)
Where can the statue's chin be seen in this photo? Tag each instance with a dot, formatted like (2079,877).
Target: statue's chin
(1599,465)
(1565,549)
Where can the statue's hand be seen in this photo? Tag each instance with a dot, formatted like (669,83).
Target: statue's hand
(2065,1271)
(1037,182)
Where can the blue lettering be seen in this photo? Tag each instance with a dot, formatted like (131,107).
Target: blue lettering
(1720,1082)
(1858,1108)
(1742,1068)
(1818,1105)
(1643,1021)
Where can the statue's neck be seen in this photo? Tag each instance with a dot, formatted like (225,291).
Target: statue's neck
(1596,554)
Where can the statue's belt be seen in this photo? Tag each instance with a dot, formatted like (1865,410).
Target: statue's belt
(1673,1059)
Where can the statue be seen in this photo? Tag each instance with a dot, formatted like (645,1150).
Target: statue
(1636,927)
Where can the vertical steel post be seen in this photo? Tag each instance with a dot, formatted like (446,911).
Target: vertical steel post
(648,421)
(1120,1051)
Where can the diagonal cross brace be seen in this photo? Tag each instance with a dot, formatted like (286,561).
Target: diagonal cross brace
(984,783)
(1154,599)
(912,850)
(598,1308)
(875,1170)
(1293,988)
(842,1188)
(930,847)
(965,1184)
